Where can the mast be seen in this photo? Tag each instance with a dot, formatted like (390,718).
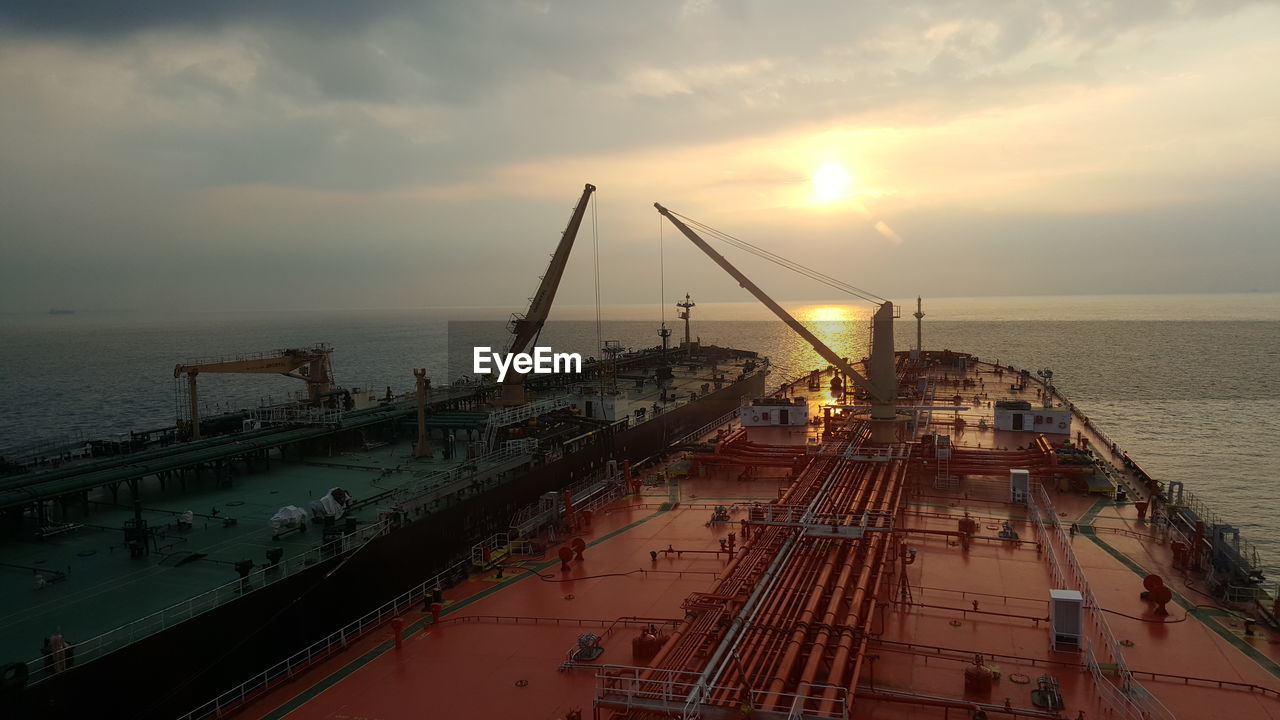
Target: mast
(686,308)
(919,316)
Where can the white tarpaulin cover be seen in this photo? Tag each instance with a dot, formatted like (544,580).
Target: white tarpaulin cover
(288,517)
(328,506)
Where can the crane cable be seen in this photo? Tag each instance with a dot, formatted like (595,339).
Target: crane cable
(662,275)
(785,262)
(793,265)
(595,246)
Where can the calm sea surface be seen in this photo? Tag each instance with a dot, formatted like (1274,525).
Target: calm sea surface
(1187,384)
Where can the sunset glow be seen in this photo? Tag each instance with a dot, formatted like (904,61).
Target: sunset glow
(831,182)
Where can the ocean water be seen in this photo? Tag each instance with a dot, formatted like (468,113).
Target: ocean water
(1187,384)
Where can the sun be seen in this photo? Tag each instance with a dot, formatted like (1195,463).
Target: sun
(830,182)
(827,313)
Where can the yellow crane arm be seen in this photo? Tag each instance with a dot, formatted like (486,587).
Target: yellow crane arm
(318,374)
(282,365)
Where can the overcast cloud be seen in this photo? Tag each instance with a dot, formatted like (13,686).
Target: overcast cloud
(336,154)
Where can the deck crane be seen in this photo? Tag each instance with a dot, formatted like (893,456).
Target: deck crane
(881,386)
(309,364)
(525,328)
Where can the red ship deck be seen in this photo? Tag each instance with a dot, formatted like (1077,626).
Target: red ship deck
(501,645)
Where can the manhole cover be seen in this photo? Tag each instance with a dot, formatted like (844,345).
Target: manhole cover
(1127,643)
(1019,678)
(234,503)
(955,623)
(86,553)
(41,561)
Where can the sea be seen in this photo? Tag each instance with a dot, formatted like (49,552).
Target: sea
(1186,384)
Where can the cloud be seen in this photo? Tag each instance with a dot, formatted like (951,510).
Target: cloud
(101,20)
(272,130)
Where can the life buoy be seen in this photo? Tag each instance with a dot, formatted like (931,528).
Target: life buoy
(1062,425)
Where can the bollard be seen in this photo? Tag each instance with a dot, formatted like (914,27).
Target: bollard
(397,629)
(435,612)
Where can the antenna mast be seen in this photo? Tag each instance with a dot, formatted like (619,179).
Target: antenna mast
(919,316)
(686,308)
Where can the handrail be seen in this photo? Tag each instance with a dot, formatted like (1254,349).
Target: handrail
(682,694)
(625,621)
(960,655)
(335,641)
(40,669)
(1130,699)
(723,419)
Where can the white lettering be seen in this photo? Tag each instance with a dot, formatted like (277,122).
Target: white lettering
(502,366)
(542,362)
(572,363)
(479,360)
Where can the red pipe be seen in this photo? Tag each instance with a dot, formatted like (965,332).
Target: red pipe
(864,595)
(787,666)
(818,652)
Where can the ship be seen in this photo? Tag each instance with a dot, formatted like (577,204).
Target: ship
(919,533)
(150,560)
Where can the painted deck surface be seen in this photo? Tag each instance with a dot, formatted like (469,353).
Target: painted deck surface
(469,665)
(498,649)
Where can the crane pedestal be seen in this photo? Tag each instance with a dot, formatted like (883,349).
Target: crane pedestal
(513,395)
(884,432)
(422,448)
(884,423)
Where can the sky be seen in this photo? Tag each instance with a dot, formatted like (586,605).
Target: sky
(329,154)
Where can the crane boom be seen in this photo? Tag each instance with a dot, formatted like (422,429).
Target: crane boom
(883,385)
(525,328)
(820,347)
(283,365)
(318,374)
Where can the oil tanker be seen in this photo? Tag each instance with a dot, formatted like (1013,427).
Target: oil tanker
(920,533)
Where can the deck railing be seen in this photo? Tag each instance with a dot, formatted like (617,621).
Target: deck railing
(589,493)
(45,667)
(681,693)
(1128,699)
(705,429)
(430,487)
(283,671)
(336,641)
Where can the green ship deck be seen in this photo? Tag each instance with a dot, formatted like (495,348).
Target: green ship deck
(79,577)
